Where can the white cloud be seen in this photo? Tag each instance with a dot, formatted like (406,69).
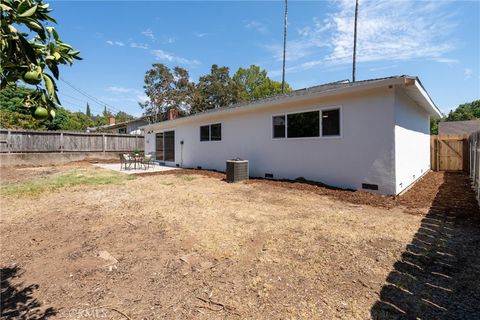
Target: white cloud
(387,31)
(141,97)
(467,73)
(149,34)
(115,43)
(164,56)
(258,26)
(200,34)
(119,89)
(139,45)
(391,30)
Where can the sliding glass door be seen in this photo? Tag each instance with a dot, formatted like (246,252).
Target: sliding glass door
(165,146)
(169,144)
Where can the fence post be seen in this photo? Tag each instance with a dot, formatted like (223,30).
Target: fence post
(61,142)
(9,137)
(104,142)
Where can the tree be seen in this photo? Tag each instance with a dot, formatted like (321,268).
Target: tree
(166,90)
(27,59)
(255,84)
(88,112)
(15,116)
(123,117)
(215,90)
(465,111)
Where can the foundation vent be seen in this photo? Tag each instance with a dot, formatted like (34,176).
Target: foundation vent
(369,186)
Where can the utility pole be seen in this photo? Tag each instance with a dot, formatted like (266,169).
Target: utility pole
(355,41)
(284,45)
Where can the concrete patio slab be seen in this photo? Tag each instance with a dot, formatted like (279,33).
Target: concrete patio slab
(116,167)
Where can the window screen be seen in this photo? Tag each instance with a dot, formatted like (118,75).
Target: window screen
(303,125)
(216,132)
(205,133)
(279,127)
(331,122)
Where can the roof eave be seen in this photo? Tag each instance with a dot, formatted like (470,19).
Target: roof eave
(263,104)
(424,100)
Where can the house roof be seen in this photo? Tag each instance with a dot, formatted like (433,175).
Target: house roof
(118,125)
(459,127)
(412,84)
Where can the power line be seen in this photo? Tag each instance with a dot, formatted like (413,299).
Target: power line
(94,99)
(98,111)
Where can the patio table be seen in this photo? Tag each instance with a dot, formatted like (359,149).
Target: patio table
(137,159)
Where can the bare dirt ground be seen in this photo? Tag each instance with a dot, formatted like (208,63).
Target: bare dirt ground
(188,245)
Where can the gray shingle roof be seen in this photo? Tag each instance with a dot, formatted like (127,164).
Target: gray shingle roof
(459,127)
(305,91)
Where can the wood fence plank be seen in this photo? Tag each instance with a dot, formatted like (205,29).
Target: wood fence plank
(29,141)
(449,152)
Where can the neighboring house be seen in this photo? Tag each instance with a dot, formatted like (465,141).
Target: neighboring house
(369,135)
(127,127)
(459,127)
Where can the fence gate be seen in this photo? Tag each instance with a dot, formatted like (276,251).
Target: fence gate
(449,153)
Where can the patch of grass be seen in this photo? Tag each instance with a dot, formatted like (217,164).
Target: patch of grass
(185,177)
(64,180)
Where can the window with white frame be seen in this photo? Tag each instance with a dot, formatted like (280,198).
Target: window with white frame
(309,124)
(211,132)
(331,122)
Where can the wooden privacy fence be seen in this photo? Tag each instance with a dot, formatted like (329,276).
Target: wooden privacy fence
(30,141)
(449,152)
(474,157)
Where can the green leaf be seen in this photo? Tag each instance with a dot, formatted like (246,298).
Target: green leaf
(50,18)
(27,49)
(34,25)
(49,84)
(22,7)
(53,67)
(4,7)
(29,12)
(55,34)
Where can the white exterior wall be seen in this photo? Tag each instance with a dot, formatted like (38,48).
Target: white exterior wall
(150,143)
(412,141)
(363,154)
(134,127)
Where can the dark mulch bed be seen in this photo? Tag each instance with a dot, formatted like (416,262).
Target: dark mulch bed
(415,200)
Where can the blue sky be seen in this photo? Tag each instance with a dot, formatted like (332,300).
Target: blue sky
(439,41)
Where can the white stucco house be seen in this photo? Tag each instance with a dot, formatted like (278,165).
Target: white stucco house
(367,135)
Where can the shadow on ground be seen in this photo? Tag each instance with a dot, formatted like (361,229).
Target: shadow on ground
(438,274)
(17,301)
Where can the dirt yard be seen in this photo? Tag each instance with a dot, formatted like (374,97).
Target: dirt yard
(78,242)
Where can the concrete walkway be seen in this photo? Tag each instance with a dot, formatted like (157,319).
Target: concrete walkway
(116,167)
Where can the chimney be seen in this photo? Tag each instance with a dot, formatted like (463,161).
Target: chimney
(172,114)
(111,121)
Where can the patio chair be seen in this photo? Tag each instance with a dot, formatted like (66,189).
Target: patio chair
(147,161)
(126,161)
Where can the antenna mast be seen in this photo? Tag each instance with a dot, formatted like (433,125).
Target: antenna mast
(355,41)
(284,45)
